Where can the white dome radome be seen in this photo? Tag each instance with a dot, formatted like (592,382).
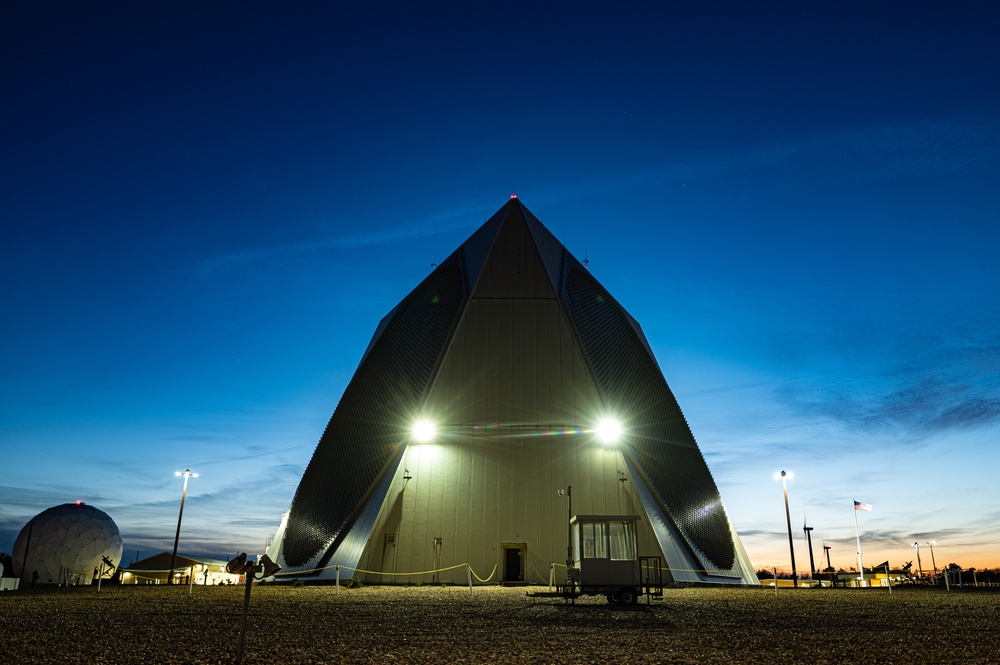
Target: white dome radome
(66,545)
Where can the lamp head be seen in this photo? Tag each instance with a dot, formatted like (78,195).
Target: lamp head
(268,567)
(237,565)
(423,431)
(608,430)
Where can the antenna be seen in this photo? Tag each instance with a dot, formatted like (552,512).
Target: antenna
(586,260)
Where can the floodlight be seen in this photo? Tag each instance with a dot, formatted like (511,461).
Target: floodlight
(608,430)
(423,431)
(236,566)
(269,567)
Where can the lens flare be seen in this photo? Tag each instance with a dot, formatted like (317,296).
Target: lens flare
(424,431)
(608,431)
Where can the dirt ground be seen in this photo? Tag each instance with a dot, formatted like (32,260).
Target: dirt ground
(158,624)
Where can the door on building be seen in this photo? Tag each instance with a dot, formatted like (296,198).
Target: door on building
(513,562)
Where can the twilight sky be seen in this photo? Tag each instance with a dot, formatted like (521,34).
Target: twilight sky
(207,210)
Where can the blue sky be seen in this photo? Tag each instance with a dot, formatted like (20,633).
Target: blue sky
(207,209)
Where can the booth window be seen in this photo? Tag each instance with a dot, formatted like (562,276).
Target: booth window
(622,541)
(595,541)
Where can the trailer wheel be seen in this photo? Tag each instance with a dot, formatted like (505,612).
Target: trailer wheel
(627,596)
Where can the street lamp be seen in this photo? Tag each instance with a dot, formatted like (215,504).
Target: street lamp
(788,516)
(920,566)
(933,562)
(173,557)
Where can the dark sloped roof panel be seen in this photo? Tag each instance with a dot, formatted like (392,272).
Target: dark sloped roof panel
(513,268)
(374,414)
(660,438)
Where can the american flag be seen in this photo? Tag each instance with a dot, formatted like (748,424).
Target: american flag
(862,506)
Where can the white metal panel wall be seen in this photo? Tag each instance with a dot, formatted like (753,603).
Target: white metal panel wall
(514,403)
(479,492)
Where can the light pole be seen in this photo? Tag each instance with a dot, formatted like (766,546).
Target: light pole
(788,517)
(933,562)
(920,566)
(173,557)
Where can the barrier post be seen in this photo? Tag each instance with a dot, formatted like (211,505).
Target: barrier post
(468,571)
(775,569)
(338,578)
(552,574)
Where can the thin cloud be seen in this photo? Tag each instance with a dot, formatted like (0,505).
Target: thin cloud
(904,148)
(441,222)
(905,385)
(910,413)
(911,147)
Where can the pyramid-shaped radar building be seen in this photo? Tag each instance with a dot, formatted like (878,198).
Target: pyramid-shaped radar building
(510,353)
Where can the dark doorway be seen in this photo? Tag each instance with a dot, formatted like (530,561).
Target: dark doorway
(513,563)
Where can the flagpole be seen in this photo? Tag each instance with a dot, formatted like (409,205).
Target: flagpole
(857,533)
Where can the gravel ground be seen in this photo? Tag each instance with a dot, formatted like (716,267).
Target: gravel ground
(158,624)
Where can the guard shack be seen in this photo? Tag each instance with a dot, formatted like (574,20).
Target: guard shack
(606,561)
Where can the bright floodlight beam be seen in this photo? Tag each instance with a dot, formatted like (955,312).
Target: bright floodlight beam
(609,431)
(423,431)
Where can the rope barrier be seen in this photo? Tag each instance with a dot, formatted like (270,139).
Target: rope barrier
(423,572)
(722,573)
(480,578)
(143,577)
(380,572)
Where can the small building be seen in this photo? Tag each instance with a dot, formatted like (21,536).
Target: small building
(880,575)
(156,569)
